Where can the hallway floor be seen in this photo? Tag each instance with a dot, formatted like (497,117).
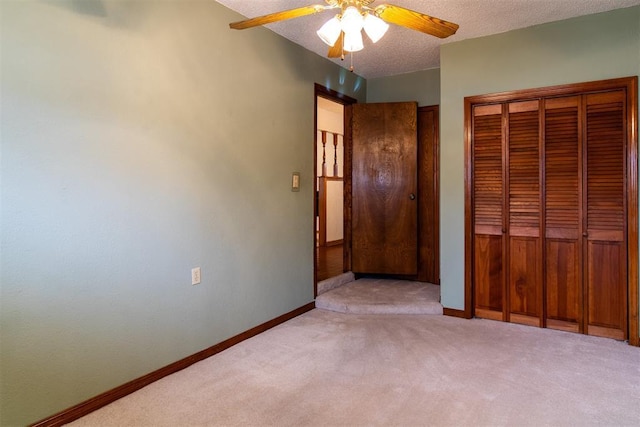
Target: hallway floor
(330,263)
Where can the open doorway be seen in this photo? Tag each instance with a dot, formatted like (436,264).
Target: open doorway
(329,188)
(329,160)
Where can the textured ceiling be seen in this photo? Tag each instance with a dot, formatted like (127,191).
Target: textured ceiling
(402,50)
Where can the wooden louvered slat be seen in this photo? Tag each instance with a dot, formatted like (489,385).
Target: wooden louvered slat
(524,182)
(525,252)
(487,155)
(605,161)
(488,197)
(563,183)
(606,214)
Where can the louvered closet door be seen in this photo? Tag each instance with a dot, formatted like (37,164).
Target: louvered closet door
(524,240)
(488,200)
(547,190)
(563,220)
(605,188)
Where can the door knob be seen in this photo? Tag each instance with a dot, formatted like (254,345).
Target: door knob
(412,196)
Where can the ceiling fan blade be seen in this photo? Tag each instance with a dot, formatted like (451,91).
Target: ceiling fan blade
(416,20)
(335,51)
(278,16)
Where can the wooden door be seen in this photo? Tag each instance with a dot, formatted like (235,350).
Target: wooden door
(384,213)
(605,215)
(428,196)
(488,218)
(524,214)
(563,219)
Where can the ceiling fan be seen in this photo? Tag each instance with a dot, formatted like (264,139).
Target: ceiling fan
(343,32)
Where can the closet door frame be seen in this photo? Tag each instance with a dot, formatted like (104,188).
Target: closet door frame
(627,84)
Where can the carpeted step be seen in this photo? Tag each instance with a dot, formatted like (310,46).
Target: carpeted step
(334,282)
(380,296)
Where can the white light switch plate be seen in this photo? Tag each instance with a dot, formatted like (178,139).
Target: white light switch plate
(295,181)
(195,276)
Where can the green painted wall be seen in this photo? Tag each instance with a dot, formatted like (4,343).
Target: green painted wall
(588,48)
(141,139)
(421,86)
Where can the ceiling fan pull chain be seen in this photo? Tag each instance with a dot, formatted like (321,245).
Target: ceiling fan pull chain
(351,67)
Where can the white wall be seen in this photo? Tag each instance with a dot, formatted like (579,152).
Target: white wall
(335,211)
(141,139)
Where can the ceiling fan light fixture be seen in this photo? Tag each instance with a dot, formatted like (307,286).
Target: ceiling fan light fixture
(330,31)
(353,41)
(374,27)
(352,20)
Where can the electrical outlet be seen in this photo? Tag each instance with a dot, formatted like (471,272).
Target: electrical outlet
(195,276)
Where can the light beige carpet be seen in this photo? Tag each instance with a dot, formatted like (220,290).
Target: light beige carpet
(331,369)
(381,296)
(335,282)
